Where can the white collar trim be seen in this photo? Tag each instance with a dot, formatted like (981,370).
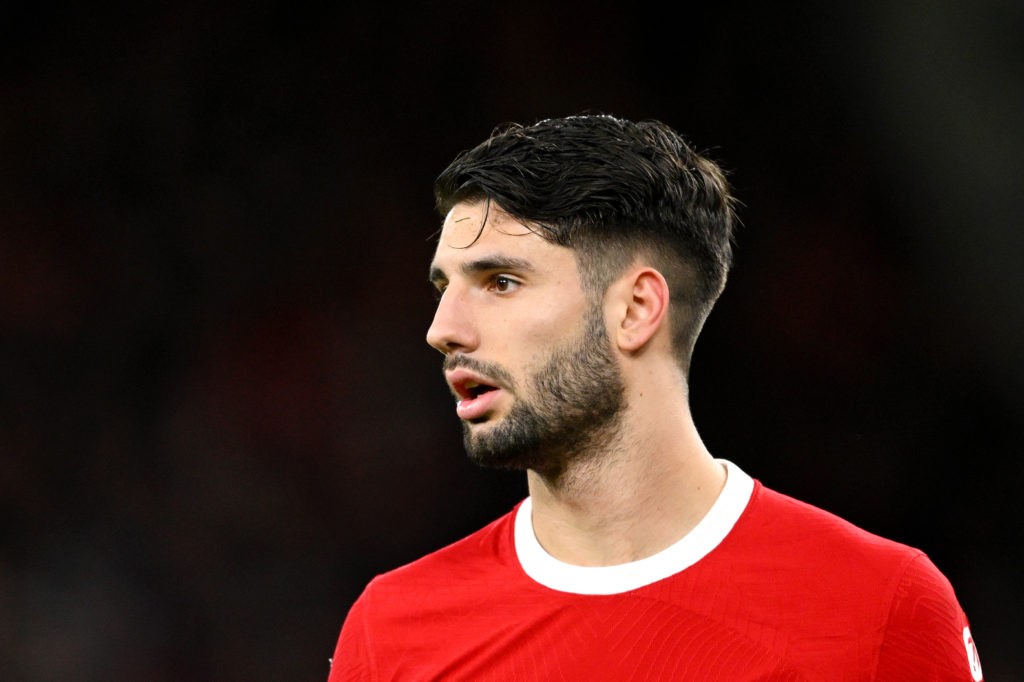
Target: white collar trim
(694,546)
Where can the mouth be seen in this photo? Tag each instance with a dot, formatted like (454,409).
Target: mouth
(469,389)
(475,397)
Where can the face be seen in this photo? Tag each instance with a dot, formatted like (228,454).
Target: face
(526,351)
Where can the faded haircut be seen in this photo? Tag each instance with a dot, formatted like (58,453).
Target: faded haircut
(616,192)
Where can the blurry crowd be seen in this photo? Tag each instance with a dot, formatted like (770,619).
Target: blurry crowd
(218,417)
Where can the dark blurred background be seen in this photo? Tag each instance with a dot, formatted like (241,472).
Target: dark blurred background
(218,417)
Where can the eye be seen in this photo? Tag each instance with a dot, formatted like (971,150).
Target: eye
(503,284)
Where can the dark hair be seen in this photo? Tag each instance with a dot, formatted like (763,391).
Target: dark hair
(614,191)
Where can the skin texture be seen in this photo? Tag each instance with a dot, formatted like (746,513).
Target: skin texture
(558,404)
(512,311)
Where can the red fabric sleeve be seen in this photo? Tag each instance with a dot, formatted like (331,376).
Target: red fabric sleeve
(353,659)
(927,638)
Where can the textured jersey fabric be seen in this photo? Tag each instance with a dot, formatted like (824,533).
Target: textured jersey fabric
(764,588)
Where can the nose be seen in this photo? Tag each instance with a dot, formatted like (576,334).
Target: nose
(452,329)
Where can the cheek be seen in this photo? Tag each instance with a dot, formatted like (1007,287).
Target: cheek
(547,326)
(524,331)
(521,346)
(530,346)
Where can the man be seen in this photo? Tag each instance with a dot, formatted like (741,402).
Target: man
(578,260)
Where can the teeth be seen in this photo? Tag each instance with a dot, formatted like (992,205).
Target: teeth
(473,389)
(470,389)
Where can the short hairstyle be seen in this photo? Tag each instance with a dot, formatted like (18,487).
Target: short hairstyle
(615,191)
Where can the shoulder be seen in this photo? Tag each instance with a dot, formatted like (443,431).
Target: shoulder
(473,558)
(406,619)
(796,525)
(450,580)
(853,580)
(847,572)
(927,633)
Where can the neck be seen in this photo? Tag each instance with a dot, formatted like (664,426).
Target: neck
(638,494)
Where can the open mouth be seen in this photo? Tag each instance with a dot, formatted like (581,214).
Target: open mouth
(476,400)
(469,389)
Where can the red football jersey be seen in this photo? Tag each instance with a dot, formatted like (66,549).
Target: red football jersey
(764,588)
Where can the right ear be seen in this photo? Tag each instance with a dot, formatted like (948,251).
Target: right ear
(639,302)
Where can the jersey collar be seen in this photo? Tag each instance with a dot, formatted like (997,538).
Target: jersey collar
(695,545)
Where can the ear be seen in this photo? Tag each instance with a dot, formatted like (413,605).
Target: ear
(640,300)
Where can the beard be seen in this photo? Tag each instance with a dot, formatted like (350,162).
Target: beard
(571,409)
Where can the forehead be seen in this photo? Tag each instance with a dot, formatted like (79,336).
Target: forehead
(474,228)
(470,222)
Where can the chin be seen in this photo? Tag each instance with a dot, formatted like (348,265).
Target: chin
(487,447)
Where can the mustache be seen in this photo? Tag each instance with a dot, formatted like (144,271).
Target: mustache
(487,369)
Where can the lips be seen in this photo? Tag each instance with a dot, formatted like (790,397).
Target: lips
(476,394)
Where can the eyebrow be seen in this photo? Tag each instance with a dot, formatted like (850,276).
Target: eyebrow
(485,264)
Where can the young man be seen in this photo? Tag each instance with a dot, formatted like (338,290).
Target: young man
(578,260)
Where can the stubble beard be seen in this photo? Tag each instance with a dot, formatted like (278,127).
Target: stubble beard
(573,410)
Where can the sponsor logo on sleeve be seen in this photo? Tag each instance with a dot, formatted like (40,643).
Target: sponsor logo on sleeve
(973,660)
